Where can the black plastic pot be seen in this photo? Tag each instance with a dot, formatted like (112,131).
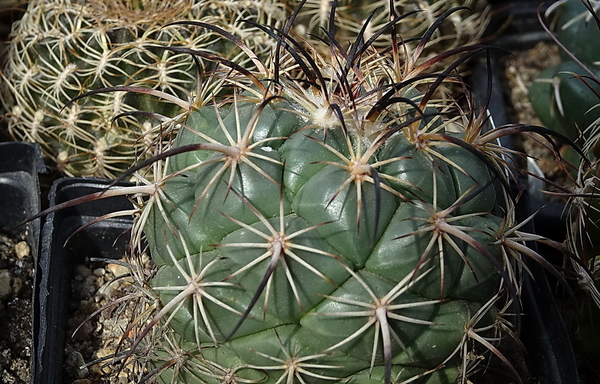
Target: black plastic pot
(514,23)
(58,258)
(20,164)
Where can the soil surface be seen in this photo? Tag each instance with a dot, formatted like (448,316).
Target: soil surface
(97,324)
(16,282)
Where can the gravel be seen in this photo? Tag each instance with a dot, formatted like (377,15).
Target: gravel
(16,282)
(95,327)
(95,285)
(520,69)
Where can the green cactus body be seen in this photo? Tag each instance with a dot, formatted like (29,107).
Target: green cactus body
(574,24)
(563,102)
(561,96)
(307,267)
(62,48)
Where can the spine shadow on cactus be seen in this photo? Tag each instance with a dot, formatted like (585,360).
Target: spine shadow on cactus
(325,223)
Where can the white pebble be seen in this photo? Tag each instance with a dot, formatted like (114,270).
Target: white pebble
(99,272)
(117,269)
(22,249)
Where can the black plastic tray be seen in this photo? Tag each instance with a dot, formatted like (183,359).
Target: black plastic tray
(58,258)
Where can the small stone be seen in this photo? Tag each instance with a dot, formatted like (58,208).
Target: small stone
(107,291)
(104,352)
(20,369)
(75,365)
(7,378)
(22,249)
(123,377)
(90,280)
(145,259)
(5,358)
(99,272)
(5,284)
(117,269)
(88,287)
(100,368)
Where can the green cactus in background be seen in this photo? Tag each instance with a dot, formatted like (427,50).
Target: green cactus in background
(461,28)
(582,241)
(61,48)
(559,97)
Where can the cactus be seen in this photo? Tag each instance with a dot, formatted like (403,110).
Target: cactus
(313,268)
(584,205)
(335,218)
(559,97)
(584,218)
(61,48)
